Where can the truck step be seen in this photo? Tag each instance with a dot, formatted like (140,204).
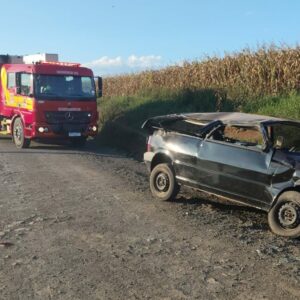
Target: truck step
(5,127)
(5,133)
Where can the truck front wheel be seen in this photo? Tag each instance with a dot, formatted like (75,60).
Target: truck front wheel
(19,134)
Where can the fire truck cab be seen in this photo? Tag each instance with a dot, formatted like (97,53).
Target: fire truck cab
(42,98)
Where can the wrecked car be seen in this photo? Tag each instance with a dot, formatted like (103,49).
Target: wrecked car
(250,159)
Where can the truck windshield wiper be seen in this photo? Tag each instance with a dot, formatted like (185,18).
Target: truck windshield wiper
(49,94)
(76,95)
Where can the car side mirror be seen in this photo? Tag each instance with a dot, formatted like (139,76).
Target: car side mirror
(99,86)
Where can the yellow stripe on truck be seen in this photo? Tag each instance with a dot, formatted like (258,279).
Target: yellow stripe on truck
(4,85)
(11,99)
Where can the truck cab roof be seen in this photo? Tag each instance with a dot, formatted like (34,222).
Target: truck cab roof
(49,69)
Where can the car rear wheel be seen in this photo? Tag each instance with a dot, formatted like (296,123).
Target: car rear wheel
(284,217)
(163,183)
(19,134)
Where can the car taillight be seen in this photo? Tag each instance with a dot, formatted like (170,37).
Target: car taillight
(149,144)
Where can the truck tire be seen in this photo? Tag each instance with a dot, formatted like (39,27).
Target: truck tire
(163,183)
(19,135)
(78,142)
(284,216)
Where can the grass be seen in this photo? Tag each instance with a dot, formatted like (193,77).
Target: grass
(121,117)
(281,106)
(264,81)
(133,110)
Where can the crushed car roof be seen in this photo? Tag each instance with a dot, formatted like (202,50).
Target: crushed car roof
(233,118)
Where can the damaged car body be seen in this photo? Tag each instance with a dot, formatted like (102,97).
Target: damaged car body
(251,159)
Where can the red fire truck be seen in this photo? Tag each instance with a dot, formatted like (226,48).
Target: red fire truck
(47,99)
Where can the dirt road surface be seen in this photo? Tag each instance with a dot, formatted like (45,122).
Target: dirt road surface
(83,225)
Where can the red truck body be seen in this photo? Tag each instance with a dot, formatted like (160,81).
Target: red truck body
(68,110)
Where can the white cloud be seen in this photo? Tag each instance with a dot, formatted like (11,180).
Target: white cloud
(118,65)
(105,62)
(149,61)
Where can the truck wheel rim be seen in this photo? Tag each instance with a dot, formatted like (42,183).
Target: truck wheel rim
(289,215)
(18,133)
(162,182)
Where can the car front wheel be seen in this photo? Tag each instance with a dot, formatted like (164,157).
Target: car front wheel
(163,183)
(284,217)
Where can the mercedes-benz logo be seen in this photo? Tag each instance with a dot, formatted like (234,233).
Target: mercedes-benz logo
(69,116)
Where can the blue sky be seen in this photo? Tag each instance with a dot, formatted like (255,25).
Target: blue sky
(115,36)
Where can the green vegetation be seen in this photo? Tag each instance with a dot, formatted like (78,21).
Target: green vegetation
(247,75)
(133,110)
(281,106)
(121,117)
(265,81)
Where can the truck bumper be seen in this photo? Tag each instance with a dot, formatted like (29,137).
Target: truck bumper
(48,131)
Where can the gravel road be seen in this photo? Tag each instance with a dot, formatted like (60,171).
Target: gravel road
(83,225)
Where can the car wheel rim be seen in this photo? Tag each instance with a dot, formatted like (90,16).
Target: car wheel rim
(289,215)
(162,182)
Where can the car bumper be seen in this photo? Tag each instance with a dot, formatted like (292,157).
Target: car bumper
(148,156)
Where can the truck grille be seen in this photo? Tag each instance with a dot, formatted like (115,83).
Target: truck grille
(69,117)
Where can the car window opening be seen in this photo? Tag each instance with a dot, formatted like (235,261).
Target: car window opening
(186,126)
(238,135)
(285,137)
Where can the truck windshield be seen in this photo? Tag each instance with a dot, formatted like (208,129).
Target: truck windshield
(64,87)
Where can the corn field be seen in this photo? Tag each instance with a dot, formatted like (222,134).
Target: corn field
(248,74)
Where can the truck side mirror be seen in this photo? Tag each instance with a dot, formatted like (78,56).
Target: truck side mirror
(99,86)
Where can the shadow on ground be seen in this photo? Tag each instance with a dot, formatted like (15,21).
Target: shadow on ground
(61,148)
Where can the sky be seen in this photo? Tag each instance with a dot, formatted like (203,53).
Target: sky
(124,36)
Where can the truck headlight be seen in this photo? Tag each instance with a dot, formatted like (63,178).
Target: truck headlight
(43,129)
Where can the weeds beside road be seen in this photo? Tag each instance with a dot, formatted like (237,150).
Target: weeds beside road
(121,117)
(265,81)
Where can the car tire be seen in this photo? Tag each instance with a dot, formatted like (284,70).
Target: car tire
(163,183)
(79,142)
(284,216)
(19,134)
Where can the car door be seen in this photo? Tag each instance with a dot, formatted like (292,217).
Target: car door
(183,148)
(234,170)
